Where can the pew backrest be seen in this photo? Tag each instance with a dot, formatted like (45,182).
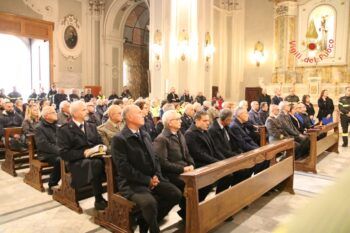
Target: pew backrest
(204,216)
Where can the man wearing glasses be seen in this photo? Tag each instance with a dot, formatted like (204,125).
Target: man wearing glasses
(45,140)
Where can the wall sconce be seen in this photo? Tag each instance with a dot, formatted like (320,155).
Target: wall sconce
(208,48)
(258,56)
(157,44)
(183,44)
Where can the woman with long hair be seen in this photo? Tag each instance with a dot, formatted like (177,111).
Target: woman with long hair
(326,108)
(31,119)
(309,107)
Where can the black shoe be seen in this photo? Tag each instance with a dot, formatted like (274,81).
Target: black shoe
(229,219)
(101,204)
(182,215)
(344,145)
(49,190)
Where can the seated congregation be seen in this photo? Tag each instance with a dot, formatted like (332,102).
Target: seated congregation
(159,150)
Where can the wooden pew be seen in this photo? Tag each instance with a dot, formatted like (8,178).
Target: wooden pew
(69,196)
(204,216)
(34,177)
(13,158)
(262,132)
(118,214)
(317,147)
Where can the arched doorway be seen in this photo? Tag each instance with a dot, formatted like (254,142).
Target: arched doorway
(124,26)
(136,51)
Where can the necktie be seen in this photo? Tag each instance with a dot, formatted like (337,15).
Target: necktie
(81,127)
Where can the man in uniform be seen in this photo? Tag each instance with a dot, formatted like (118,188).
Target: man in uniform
(344,108)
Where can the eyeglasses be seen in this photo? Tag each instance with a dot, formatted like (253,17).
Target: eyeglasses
(176,119)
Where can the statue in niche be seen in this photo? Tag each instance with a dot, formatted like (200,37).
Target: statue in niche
(324,31)
(70,37)
(320,31)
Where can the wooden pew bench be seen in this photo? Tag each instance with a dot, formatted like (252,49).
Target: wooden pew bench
(317,147)
(69,196)
(119,213)
(263,136)
(14,160)
(37,168)
(206,215)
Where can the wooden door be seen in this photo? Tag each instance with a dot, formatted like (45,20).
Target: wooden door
(252,94)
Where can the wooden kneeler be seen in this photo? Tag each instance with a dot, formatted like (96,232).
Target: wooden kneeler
(13,158)
(118,214)
(34,177)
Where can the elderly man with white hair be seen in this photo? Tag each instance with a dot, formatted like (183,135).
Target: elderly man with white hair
(170,146)
(112,126)
(63,115)
(254,114)
(45,140)
(139,174)
(187,118)
(292,131)
(78,141)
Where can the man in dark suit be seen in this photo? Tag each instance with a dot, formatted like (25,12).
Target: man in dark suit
(292,97)
(186,97)
(241,135)
(172,96)
(264,97)
(254,114)
(263,112)
(59,97)
(203,150)
(139,175)
(225,143)
(277,98)
(171,148)
(45,140)
(292,131)
(76,140)
(222,135)
(187,118)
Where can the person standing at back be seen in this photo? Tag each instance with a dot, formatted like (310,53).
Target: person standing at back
(325,108)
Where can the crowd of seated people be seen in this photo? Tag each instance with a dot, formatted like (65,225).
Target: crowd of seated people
(152,143)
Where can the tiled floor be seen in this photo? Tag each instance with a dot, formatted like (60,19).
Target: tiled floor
(23,209)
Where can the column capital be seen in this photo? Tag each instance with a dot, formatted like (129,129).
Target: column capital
(285,8)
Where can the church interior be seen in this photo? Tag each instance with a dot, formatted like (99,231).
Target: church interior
(174,116)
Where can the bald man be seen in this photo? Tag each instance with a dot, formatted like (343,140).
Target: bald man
(139,175)
(75,140)
(112,126)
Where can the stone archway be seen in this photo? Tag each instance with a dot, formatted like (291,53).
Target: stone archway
(112,51)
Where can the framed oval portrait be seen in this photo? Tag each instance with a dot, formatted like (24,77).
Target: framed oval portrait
(69,40)
(70,37)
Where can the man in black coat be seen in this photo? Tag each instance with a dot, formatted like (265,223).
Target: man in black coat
(172,96)
(186,97)
(45,140)
(187,118)
(74,96)
(59,97)
(264,97)
(244,141)
(226,144)
(171,148)
(14,95)
(139,175)
(277,98)
(9,118)
(202,149)
(76,140)
(52,92)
